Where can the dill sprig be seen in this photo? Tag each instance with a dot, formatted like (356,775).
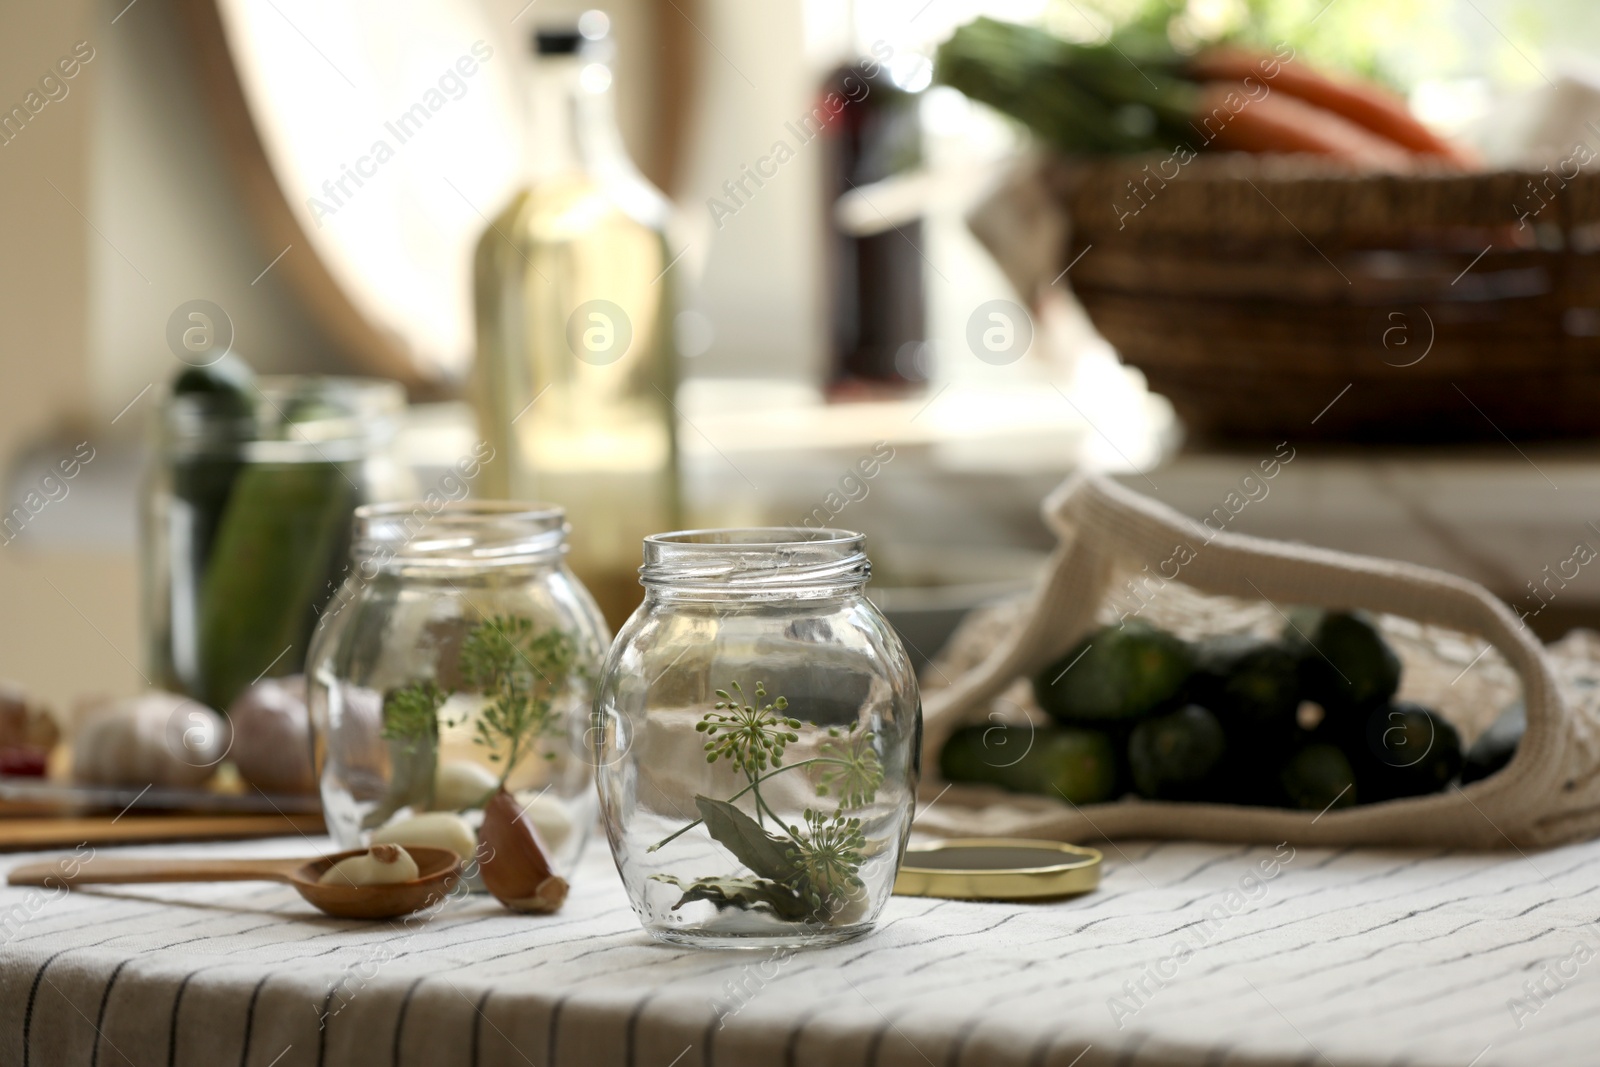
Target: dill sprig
(827,856)
(815,866)
(411,714)
(521,673)
(749,735)
(854,772)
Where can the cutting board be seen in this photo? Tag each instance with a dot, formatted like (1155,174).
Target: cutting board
(26,834)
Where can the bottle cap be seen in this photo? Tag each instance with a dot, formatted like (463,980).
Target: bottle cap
(557,41)
(998,868)
(569,38)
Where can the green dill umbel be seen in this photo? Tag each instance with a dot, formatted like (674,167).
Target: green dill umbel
(411,715)
(411,726)
(521,672)
(517,669)
(750,736)
(804,871)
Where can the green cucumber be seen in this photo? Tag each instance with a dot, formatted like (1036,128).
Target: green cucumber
(1078,765)
(1319,777)
(1495,746)
(225,385)
(1177,756)
(1253,687)
(276,545)
(1116,673)
(1410,750)
(1345,664)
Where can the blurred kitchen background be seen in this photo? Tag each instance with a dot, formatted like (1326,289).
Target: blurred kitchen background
(823,315)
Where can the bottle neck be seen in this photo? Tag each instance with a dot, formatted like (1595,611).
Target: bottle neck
(553,114)
(574,125)
(574,132)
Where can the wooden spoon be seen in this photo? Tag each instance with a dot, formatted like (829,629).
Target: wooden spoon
(438,871)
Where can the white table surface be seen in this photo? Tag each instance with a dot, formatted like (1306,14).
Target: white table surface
(1344,957)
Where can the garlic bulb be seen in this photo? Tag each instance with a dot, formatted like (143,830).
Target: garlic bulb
(379,865)
(513,863)
(159,739)
(433,829)
(272,736)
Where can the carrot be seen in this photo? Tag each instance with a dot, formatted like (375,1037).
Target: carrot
(1228,118)
(1363,104)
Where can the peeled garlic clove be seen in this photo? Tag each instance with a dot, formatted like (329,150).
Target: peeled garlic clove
(379,865)
(549,817)
(459,784)
(513,863)
(433,829)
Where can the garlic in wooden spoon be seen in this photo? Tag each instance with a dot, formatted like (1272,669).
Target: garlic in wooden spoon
(379,865)
(439,870)
(513,863)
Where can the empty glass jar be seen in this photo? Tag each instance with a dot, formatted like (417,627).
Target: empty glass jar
(757,729)
(459,657)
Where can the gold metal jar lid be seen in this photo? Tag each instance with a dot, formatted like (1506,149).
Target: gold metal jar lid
(998,868)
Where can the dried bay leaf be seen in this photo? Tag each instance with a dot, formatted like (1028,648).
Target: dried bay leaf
(749,894)
(765,854)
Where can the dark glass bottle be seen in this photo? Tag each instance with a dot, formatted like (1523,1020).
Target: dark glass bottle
(878,311)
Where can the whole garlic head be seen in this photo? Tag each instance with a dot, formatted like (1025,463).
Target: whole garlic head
(272,736)
(159,739)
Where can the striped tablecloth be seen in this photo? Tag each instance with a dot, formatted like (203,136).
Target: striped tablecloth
(1189,954)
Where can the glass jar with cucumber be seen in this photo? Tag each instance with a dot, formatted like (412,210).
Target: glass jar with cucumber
(247,510)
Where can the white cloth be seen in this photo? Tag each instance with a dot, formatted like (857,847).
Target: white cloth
(1354,957)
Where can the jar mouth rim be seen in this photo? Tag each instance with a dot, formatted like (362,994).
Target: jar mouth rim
(469,509)
(459,533)
(755,537)
(356,413)
(755,560)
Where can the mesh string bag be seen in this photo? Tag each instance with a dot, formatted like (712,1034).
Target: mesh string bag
(1121,555)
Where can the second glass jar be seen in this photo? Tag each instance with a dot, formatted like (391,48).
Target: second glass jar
(758,730)
(458,658)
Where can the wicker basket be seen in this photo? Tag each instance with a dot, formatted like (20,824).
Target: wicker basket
(1252,292)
